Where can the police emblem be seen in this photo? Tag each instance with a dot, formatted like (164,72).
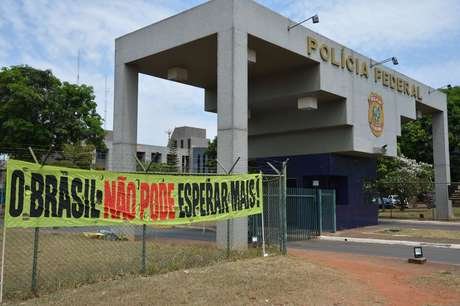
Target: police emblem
(375,114)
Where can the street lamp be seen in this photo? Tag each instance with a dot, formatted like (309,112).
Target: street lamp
(314,19)
(393,59)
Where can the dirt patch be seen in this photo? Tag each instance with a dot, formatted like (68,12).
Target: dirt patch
(262,281)
(394,280)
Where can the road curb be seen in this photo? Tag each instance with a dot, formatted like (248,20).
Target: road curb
(404,221)
(392,242)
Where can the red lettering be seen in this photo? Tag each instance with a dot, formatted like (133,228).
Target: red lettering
(145,198)
(163,191)
(121,196)
(130,202)
(171,211)
(154,203)
(109,199)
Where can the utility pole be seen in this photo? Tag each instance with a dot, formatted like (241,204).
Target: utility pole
(105,103)
(78,67)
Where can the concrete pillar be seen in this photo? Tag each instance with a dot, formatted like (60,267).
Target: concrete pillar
(125,131)
(232,121)
(125,119)
(441,166)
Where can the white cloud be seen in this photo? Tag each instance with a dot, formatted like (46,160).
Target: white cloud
(437,74)
(373,25)
(49,33)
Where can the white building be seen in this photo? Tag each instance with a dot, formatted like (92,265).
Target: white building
(191,144)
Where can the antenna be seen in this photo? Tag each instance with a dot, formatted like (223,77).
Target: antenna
(169,132)
(78,67)
(106,91)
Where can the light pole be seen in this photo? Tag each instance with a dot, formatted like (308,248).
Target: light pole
(393,59)
(314,19)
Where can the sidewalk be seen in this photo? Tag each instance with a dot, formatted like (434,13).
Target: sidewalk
(391,242)
(418,221)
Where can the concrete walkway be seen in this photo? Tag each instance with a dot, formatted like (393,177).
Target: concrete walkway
(391,242)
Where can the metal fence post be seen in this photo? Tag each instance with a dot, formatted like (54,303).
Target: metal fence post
(144,227)
(334,207)
(35,261)
(283,207)
(280,212)
(34,283)
(320,210)
(143,269)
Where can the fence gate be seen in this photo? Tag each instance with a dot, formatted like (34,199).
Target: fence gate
(309,213)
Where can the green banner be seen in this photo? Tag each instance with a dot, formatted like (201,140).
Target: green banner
(58,197)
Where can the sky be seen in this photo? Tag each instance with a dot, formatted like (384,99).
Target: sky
(47,34)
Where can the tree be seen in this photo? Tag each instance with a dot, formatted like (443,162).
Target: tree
(211,154)
(171,158)
(404,177)
(416,141)
(75,156)
(38,110)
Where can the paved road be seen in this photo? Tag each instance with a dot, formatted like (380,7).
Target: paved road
(438,255)
(451,226)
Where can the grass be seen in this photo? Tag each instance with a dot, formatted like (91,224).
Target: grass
(275,280)
(413,213)
(69,260)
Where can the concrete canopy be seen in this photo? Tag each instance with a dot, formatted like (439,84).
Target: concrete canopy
(258,102)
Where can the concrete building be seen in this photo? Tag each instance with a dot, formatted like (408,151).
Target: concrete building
(280,93)
(191,144)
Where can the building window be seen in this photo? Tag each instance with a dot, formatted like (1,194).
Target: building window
(181,143)
(198,164)
(204,164)
(101,154)
(141,156)
(156,157)
(189,143)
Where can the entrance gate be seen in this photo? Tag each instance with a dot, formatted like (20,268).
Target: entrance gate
(310,212)
(292,214)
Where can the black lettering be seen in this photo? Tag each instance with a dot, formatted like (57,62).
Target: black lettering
(64,199)
(94,211)
(224,197)
(203,211)
(180,188)
(86,201)
(252,197)
(17,186)
(258,192)
(188,193)
(243,200)
(209,201)
(235,194)
(77,205)
(36,196)
(50,196)
(195,198)
(218,208)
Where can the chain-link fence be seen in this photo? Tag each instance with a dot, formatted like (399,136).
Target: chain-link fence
(43,260)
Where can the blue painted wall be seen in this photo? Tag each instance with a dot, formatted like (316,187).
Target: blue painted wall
(346,174)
